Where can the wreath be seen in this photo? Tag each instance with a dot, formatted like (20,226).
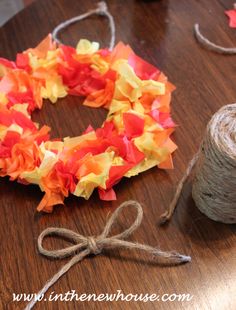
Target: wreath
(134,137)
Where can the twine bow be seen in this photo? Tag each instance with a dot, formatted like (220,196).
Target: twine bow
(85,246)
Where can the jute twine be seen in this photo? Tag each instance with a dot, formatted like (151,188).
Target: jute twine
(100,10)
(210,45)
(214,183)
(86,245)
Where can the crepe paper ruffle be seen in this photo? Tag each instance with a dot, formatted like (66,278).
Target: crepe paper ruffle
(134,137)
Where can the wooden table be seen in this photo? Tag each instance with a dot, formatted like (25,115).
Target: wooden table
(162,33)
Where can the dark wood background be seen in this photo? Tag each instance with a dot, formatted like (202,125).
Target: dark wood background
(162,33)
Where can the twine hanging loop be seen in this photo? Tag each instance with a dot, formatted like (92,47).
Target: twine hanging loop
(101,9)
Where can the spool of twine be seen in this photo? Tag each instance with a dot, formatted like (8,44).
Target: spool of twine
(214,184)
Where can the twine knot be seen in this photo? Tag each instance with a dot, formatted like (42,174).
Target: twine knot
(84,246)
(93,246)
(102,7)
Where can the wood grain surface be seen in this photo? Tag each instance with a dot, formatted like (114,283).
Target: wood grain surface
(162,33)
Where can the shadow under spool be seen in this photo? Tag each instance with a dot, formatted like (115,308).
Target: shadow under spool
(214,184)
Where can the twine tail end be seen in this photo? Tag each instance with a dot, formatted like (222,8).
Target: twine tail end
(172,258)
(164,218)
(180,258)
(185,259)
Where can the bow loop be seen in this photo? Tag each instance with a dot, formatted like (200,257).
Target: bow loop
(79,240)
(127,232)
